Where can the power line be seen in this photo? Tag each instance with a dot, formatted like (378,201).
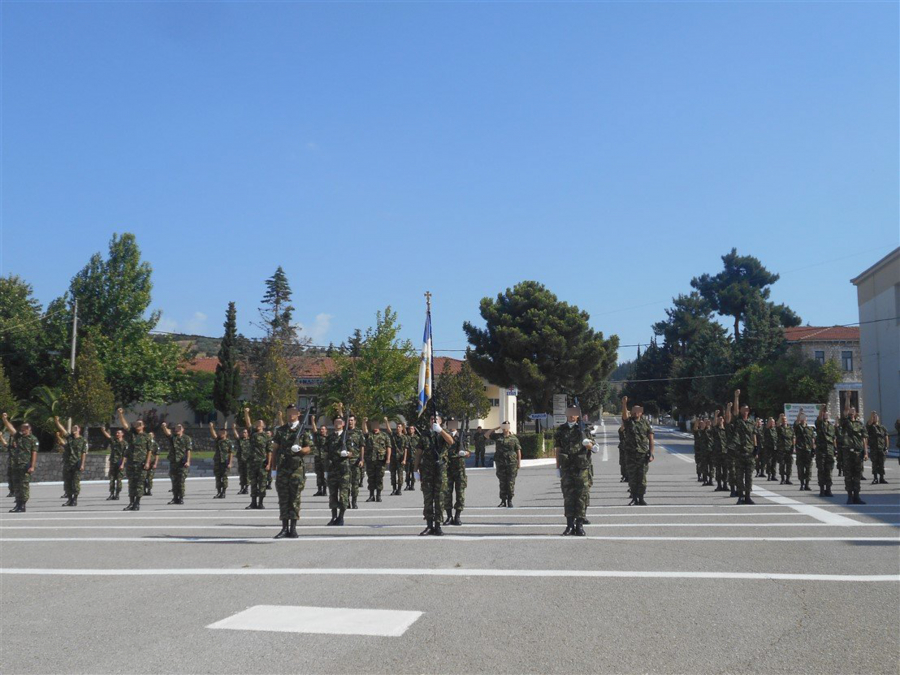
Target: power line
(35,320)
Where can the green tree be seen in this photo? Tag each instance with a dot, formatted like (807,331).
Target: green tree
(8,401)
(20,334)
(44,405)
(763,339)
(791,378)
(277,312)
(647,384)
(689,316)
(87,397)
(538,343)
(227,387)
(466,399)
(700,378)
(198,393)
(274,387)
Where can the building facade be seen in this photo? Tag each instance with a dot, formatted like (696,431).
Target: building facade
(833,343)
(878,296)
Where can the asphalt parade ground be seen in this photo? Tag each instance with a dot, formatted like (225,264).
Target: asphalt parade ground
(691,583)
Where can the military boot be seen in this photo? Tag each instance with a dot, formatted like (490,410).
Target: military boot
(787,481)
(285,528)
(130,506)
(111,497)
(850,497)
(882,480)
(340,518)
(353,502)
(747,499)
(260,504)
(437,532)
(16,508)
(585,521)
(371,496)
(68,502)
(174,500)
(253,504)
(333,517)
(733,493)
(828,492)
(448,519)
(75,501)
(502,504)
(456,520)
(377,495)
(856,499)
(874,480)
(579,528)
(292,531)
(509,503)
(821,491)
(570,527)
(428,529)
(641,502)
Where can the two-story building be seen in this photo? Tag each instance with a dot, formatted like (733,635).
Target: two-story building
(833,343)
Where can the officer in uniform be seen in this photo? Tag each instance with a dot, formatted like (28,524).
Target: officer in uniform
(241,449)
(23,447)
(398,458)
(341,459)
(319,461)
(573,460)
(413,441)
(805,441)
(377,454)
(456,477)
(507,460)
(826,442)
(854,446)
(431,467)
(221,458)
(179,456)
(480,443)
(74,454)
(745,442)
(878,445)
(785,443)
(639,433)
(290,445)
(137,456)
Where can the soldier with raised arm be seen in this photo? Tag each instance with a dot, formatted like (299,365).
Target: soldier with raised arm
(179,456)
(241,449)
(639,433)
(116,445)
(259,461)
(137,458)
(377,454)
(221,458)
(23,447)
(74,453)
(785,445)
(399,447)
(745,442)
(457,481)
(878,445)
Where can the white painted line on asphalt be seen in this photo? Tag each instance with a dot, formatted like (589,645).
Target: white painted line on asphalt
(320,620)
(682,457)
(810,510)
(449,572)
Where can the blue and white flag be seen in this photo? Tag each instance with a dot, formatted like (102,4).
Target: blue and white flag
(426,366)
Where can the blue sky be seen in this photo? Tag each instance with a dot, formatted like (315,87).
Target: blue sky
(611,151)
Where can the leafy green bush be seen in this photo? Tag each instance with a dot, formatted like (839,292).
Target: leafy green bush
(532,445)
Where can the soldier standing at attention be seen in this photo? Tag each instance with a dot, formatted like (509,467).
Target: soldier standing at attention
(319,458)
(878,445)
(339,469)
(398,459)
(696,428)
(853,440)
(179,456)
(720,452)
(74,453)
(137,456)
(744,430)
(825,451)
(23,447)
(356,443)
(456,478)
(291,444)
(259,461)
(770,447)
(805,441)
(413,440)
(480,443)
(785,440)
(377,454)
(640,445)
(623,455)
(117,448)
(431,465)
(241,448)
(154,462)
(760,462)
(221,459)
(507,460)
(573,460)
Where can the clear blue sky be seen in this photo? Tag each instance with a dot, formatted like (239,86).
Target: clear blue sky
(611,151)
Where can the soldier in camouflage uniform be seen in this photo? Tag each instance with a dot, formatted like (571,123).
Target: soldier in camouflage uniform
(136,458)
(480,443)
(805,443)
(319,461)
(117,448)
(573,460)
(785,445)
(241,449)
(377,454)
(291,444)
(639,433)
(826,442)
(696,426)
(356,443)
(154,462)
(221,459)
(338,453)
(431,465)
(8,448)
(507,460)
(398,459)
(769,447)
(180,446)
(413,441)
(760,461)
(623,455)
(456,478)
(854,446)
(702,451)
(878,445)
(22,447)
(259,461)
(745,443)
(74,453)
(720,452)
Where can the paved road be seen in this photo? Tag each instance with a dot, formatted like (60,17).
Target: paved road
(691,583)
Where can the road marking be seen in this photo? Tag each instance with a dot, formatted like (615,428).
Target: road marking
(820,514)
(451,572)
(320,620)
(682,457)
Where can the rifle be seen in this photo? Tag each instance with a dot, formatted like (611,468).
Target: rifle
(302,427)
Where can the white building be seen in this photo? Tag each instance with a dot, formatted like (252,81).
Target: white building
(878,294)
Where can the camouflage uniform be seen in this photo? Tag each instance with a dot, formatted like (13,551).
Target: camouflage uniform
(20,449)
(242,450)
(319,459)
(116,453)
(701,454)
(506,454)
(878,445)
(224,448)
(150,474)
(257,475)
(785,436)
(839,455)
(805,436)
(698,454)
(378,444)
(770,447)
(743,430)
(574,463)
(456,479)
(638,433)
(623,455)
(291,475)
(339,473)
(433,472)
(413,442)
(825,440)
(136,455)
(720,457)
(398,452)
(479,441)
(73,451)
(356,441)
(853,434)
(179,447)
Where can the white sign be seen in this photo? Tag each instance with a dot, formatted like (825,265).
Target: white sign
(559,404)
(791,410)
(558,420)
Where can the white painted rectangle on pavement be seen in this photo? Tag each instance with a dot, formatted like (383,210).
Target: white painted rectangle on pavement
(321,620)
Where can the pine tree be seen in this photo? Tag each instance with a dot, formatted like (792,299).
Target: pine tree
(227,386)
(87,398)
(277,312)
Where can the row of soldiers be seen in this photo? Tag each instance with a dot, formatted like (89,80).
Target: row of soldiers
(776,444)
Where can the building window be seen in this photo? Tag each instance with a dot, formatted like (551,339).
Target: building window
(847,361)
(495,402)
(820,357)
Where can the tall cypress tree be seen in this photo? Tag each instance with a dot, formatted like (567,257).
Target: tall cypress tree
(227,386)
(87,398)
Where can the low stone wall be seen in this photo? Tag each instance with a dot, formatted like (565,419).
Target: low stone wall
(49,467)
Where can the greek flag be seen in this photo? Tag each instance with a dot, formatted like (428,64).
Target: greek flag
(426,366)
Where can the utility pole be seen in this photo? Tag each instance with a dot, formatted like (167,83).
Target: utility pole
(72,358)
